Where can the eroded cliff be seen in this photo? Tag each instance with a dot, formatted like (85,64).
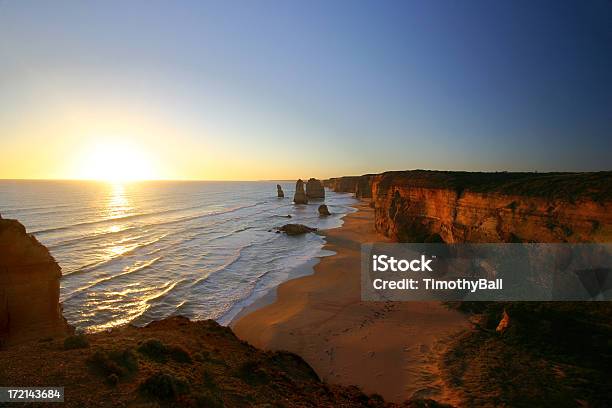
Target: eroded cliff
(29,286)
(361,186)
(434,206)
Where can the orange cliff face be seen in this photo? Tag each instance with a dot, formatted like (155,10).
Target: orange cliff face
(29,287)
(435,206)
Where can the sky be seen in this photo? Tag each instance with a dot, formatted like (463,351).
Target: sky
(248,90)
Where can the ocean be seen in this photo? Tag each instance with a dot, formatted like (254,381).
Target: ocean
(141,251)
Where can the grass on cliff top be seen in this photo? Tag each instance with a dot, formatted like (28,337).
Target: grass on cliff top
(552,354)
(595,186)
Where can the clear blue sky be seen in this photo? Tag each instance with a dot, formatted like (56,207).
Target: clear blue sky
(319,88)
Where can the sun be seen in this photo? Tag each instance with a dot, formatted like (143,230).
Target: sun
(115,161)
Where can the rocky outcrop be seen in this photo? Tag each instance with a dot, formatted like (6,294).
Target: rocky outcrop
(315,189)
(279,191)
(29,287)
(323,210)
(364,186)
(429,206)
(300,195)
(346,184)
(296,229)
(361,186)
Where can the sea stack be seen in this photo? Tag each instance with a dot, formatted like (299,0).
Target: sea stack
(280,192)
(315,189)
(300,195)
(323,210)
(29,287)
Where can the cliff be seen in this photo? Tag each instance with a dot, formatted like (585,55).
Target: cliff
(29,286)
(361,186)
(430,206)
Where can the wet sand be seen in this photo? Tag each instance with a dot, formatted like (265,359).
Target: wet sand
(389,348)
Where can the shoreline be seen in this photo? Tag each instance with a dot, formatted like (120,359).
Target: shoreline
(389,348)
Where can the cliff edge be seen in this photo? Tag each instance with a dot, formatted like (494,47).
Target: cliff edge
(29,287)
(444,206)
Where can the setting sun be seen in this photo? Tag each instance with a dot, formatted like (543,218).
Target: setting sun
(117,161)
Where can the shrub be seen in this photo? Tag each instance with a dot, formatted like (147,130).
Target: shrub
(209,381)
(206,400)
(154,349)
(121,363)
(77,341)
(158,351)
(164,386)
(179,354)
(251,373)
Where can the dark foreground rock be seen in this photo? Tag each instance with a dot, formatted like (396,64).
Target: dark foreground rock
(173,362)
(323,210)
(296,229)
(279,191)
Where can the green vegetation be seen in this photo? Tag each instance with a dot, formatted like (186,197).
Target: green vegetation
(164,386)
(114,365)
(596,186)
(251,373)
(77,341)
(158,351)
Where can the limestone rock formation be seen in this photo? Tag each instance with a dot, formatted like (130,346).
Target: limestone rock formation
(418,206)
(29,287)
(300,195)
(346,184)
(361,186)
(315,189)
(296,229)
(279,191)
(323,210)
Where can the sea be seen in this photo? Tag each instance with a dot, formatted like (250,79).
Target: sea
(140,251)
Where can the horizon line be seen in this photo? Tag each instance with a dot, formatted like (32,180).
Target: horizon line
(294,179)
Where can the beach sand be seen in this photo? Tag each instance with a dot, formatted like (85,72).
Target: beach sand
(389,348)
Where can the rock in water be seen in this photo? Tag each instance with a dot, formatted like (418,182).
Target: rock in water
(279,190)
(323,210)
(296,229)
(300,195)
(315,189)
(29,287)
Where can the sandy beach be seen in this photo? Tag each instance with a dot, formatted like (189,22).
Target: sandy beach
(387,348)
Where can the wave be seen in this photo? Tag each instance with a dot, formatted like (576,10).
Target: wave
(96,265)
(141,215)
(80,240)
(164,292)
(26,209)
(237,256)
(129,271)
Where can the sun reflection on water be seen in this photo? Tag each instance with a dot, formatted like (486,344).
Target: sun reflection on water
(118,203)
(118,206)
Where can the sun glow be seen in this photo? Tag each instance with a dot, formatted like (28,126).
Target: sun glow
(115,162)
